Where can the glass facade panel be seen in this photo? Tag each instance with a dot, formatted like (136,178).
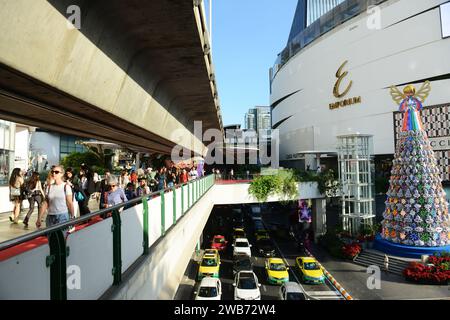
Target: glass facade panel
(445,19)
(68,145)
(314,18)
(5,157)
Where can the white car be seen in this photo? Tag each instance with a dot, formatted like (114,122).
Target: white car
(209,289)
(246,286)
(291,291)
(242,246)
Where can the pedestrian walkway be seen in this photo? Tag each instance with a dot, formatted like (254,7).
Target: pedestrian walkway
(355,279)
(10,230)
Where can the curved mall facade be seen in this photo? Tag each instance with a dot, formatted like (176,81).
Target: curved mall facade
(338,83)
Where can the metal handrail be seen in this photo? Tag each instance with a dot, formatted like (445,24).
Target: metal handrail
(33,235)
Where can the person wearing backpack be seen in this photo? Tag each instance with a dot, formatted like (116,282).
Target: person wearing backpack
(58,201)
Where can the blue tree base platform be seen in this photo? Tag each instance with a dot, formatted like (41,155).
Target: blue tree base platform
(401,250)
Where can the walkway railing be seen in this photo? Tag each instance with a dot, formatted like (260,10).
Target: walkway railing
(228,179)
(94,257)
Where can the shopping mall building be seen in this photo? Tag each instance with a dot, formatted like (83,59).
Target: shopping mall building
(335,74)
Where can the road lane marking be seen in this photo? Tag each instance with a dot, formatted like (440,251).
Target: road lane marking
(324,293)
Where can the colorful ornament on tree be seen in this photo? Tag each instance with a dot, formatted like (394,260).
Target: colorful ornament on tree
(416,209)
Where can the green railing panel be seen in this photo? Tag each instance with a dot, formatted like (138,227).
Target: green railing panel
(182,200)
(117,247)
(145,242)
(174,194)
(57,261)
(163,214)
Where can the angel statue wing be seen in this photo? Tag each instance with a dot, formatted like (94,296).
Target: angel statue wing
(424,91)
(397,95)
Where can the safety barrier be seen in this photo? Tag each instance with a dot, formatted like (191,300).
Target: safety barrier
(333,281)
(43,265)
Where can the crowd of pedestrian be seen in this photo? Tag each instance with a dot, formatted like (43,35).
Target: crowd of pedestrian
(64,193)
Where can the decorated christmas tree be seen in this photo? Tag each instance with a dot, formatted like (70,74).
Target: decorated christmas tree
(416,208)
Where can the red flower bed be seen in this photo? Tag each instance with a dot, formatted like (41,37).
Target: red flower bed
(350,251)
(436,274)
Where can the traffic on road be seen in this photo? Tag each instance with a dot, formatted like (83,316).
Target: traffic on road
(246,255)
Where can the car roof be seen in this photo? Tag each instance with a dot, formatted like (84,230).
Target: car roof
(209,282)
(276,260)
(241,240)
(219,236)
(238,229)
(308,259)
(211,251)
(246,274)
(293,287)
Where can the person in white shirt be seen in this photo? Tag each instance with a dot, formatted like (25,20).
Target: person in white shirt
(58,201)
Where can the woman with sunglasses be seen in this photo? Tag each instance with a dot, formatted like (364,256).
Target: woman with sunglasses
(116,195)
(58,200)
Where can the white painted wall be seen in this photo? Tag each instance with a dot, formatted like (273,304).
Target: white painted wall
(26,276)
(400,52)
(238,193)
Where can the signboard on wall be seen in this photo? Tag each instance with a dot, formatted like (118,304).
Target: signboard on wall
(441,143)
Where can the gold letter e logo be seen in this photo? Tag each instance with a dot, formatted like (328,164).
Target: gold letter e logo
(340,77)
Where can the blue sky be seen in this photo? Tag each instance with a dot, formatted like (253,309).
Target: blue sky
(247,36)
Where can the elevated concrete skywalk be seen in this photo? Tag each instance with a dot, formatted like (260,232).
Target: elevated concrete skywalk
(137,73)
(140,253)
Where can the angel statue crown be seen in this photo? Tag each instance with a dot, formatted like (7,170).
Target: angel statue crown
(410,104)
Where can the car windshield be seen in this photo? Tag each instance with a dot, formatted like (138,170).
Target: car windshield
(209,262)
(247,283)
(295,296)
(239,234)
(277,267)
(241,244)
(207,292)
(219,240)
(311,266)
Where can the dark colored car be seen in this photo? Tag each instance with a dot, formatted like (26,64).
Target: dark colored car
(265,248)
(242,262)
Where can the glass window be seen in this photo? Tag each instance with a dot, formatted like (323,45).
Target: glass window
(68,146)
(4,167)
(445,19)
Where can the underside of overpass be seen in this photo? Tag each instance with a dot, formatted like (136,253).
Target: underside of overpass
(137,73)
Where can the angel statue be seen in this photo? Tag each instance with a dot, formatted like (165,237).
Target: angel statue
(411,103)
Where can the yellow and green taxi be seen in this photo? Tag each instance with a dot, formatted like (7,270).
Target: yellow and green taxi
(262,234)
(277,272)
(239,233)
(209,265)
(310,270)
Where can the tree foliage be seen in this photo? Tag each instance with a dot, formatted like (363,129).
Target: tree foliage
(283,184)
(74,160)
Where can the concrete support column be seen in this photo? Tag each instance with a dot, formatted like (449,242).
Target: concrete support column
(319,218)
(138,160)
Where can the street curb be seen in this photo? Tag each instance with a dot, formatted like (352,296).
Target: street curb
(333,281)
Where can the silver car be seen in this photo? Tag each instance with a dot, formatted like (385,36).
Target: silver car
(292,291)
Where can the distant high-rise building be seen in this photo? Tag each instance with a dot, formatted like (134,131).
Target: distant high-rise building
(259,119)
(309,11)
